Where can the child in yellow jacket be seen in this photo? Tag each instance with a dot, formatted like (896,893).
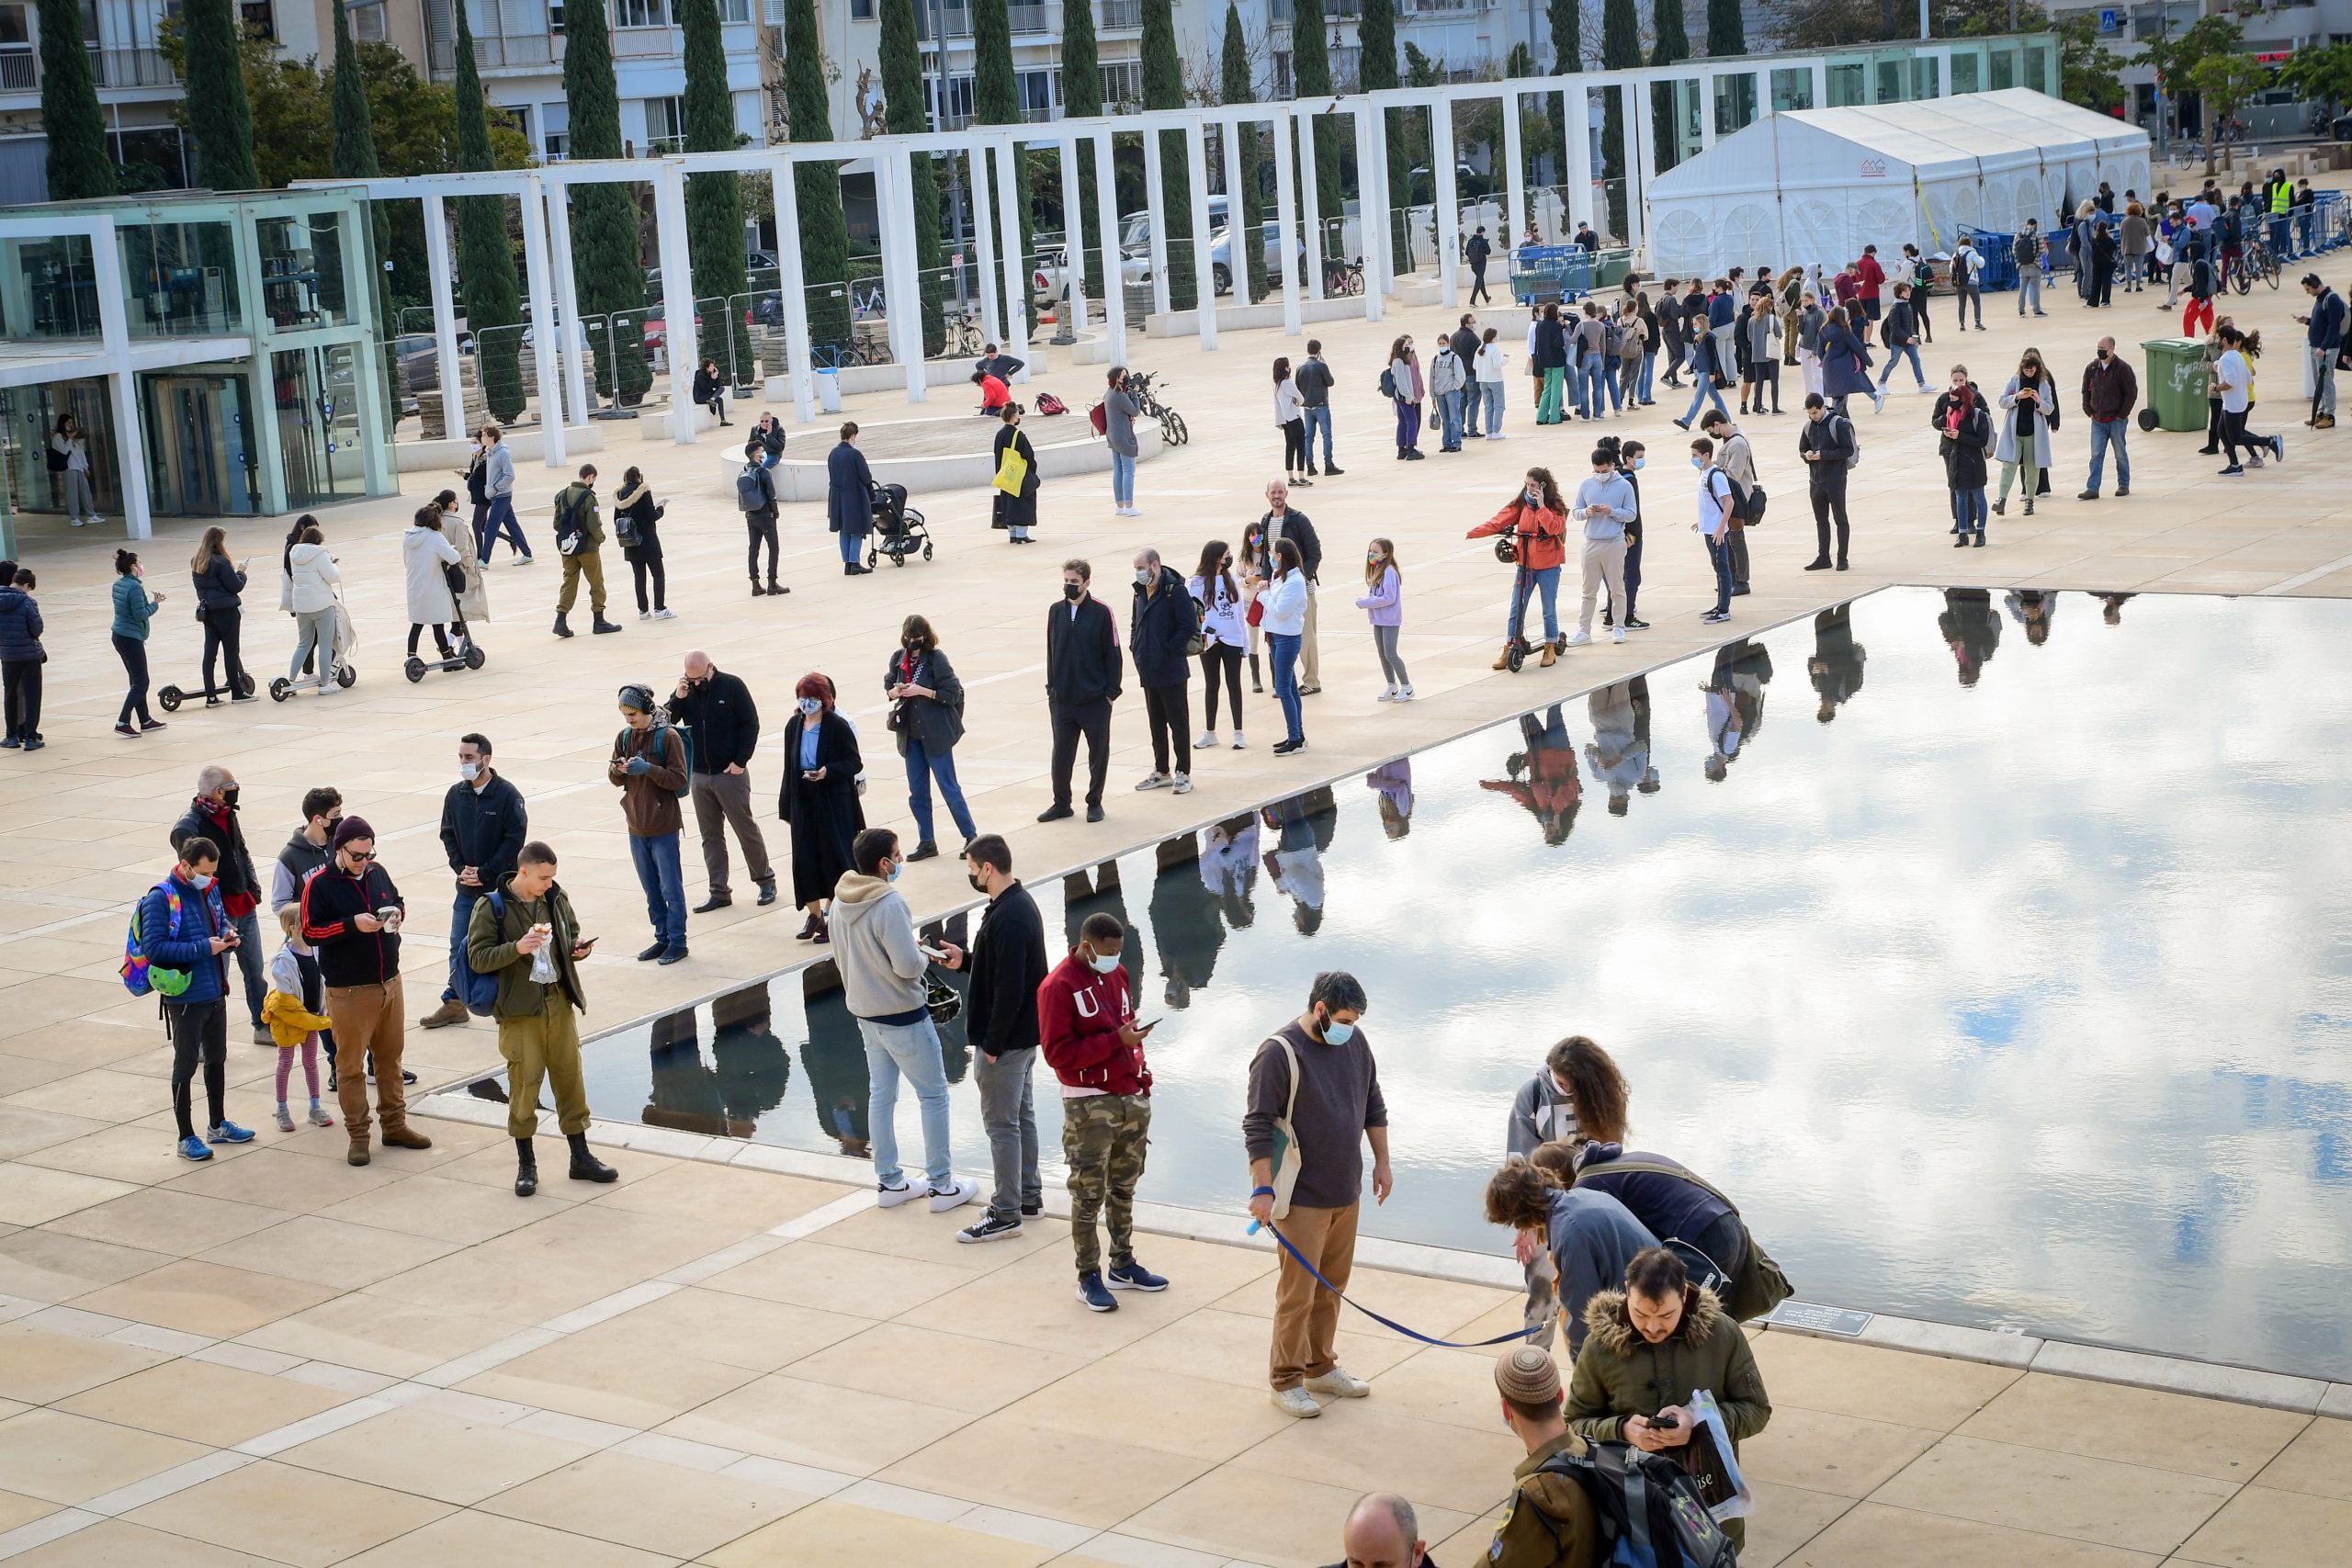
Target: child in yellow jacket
(291,1023)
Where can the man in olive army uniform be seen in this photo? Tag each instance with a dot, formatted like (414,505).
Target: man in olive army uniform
(1549,1522)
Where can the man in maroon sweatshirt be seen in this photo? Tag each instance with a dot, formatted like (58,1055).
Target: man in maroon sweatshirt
(1088,1032)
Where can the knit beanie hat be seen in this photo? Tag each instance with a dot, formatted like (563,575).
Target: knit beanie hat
(1527,1375)
(352,828)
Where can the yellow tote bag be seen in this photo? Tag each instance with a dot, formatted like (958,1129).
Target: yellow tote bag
(1012,472)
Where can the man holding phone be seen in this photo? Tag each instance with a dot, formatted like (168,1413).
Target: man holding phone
(351,914)
(525,934)
(1086,1028)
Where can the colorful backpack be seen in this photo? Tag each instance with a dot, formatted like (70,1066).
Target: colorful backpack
(139,976)
(1050,404)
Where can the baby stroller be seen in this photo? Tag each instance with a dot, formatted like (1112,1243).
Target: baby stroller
(897,527)
(346,641)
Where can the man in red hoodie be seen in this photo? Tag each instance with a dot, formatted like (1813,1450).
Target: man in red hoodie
(1087,1029)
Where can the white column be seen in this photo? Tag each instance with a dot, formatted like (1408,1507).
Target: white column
(1237,245)
(1106,214)
(1514,174)
(1073,234)
(1379,249)
(901,279)
(1369,200)
(444,315)
(976,181)
(1650,166)
(1576,116)
(1154,194)
(1285,214)
(114,337)
(1821,84)
(1632,102)
(1310,201)
(1196,172)
(792,284)
(1706,110)
(1016,266)
(1448,227)
(539,284)
(677,295)
(567,299)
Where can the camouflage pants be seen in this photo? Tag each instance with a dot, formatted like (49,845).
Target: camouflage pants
(1104,1138)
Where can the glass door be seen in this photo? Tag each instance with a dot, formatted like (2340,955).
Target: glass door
(315,394)
(201,452)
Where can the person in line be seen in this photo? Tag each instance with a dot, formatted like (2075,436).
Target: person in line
(716,709)
(426,552)
(184,927)
(638,517)
(768,439)
(529,938)
(1810,323)
(756,499)
(2202,285)
(1382,1531)
(1449,379)
(1315,383)
(927,716)
(2234,372)
(307,849)
(1463,339)
(1405,376)
(1017,509)
(498,491)
(1318,1073)
(1549,1521)
(294,1024)
(1383,603)
(219,589)
(1869,278)
(1007,963)
(1281,521)
(1224,609)
(1604,505)
(1647,1349)
(848,500)
(213,814)
(1967,271)
(1082,682)
(468,589)
(1583,1236)
(2323,344)
(2110,391)
(711,391)
(1284,607)
(1707,378)
(2135,239)
(21,656)
(483,824)
(1714,526)
(1121,408)
(351,918)
(1537,519)
(1548,357)
(1489,363)
(1631,458)
(1254,569)
(1160,628)
(1737,459)
(649,767)
(1673,331)
(134,606)
(882,969)
(1478,251)
(577,516)
(1964,433)
(1900,335)
(311,579)
(2023,439)
(1594,378)
(1763,354)
(1827,446)
(819,798)
(1291,422)
(69,458)
(2028,252)
(1088,1032)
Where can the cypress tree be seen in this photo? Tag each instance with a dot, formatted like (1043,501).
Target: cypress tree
(1568,55)
(608,248)
(1083,97)
(1377,32)
(1245,214)
(218,112)
(996,100)
(1163,89)
(1621,48)
(715,200)
(485,255)
(353,157)
(1311,78)
(902,112)
(824,229)
(1673,44)
(79,165)
(1726,30)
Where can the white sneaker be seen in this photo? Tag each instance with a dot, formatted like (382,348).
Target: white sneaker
(1405,693)
(1387,695)
(1153,781)
(1617,634)
(887,1196)
(1184,783)
(645,614)
(1338,1384)
(1297,1402)
(954,1195)
(1207,742)
(666,614)
(98,522)
(81,522)
(1239,744)
(1578,640)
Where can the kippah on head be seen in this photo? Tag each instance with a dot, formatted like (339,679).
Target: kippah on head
(1526,1375)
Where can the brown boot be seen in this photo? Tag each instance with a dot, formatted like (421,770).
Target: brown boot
(1502,660)
(404,1137)
(1551,655)
(358,1155)
(448,1012)
(2324,422)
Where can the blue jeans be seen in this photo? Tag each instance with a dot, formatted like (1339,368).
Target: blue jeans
(1448,413)
(1492,391)
(1123,480)
(499,520)
(1649,363)
(665,885)
(1285,654)
(1594,386)
(1545,582)
(921,768)
(461,915)
(252,961)
(1968,510)
(852,544)
(1470,402)
(2106,433)
(1719,556)
(1895,356)
(911,1049)
(1700,394)
(1318,419)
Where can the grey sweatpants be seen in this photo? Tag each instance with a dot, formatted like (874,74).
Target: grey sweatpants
(1009,1118)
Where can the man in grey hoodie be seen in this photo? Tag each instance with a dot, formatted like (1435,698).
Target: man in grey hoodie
(882,969)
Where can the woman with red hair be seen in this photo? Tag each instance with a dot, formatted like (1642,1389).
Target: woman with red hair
(820,799)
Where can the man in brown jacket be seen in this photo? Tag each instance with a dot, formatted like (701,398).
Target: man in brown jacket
(1549,1521)
(648,766)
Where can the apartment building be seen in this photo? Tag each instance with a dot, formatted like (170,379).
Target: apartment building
(1468,38)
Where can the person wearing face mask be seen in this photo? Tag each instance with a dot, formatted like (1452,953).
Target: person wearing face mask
(1161,628)
(1827,447)
(1086,1030)
(882,969)
(1224,599)
(351,916)
(818,797)
(927,716)
(1315,1073)
(482,828)
(1966,431)
(1083,673)
(1006,963)
(184,932)
(1631,456)
(2110,391)
(1604,504)
(2023,439)
(649,767)
(1536,519)
(213,814)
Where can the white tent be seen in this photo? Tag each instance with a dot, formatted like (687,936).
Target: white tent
(1818,184)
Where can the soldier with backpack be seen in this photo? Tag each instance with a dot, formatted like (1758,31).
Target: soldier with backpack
(1550,1521)
(579,538)
(756,499)
(178,948)
(649,767)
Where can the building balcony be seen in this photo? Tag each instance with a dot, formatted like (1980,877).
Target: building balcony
(1029,16)
(955,20)
(1119,16)
(115,70)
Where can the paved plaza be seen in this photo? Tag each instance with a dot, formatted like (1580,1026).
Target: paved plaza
(276,1358)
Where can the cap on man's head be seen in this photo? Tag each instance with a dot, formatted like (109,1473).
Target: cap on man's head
(1526,1375)
(352,828)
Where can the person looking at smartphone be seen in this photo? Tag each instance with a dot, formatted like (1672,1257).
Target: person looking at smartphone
(525,934)
(351,914)
(1088,1032)
(184,927)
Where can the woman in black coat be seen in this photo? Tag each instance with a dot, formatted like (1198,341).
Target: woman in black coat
(635,501)
(220,587)
(1965,426)
(1017,512)
(820,799)
(927,716)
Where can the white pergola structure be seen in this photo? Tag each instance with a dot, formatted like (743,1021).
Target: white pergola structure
(1003,279)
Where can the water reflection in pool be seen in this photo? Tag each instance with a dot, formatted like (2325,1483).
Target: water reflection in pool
(2010,987)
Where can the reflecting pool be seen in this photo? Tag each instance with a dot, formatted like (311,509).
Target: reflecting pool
(1993,951)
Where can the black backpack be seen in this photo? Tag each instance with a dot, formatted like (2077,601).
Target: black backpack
(1651,1512)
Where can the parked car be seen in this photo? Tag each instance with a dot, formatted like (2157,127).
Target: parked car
(1221,256)
(1046,279)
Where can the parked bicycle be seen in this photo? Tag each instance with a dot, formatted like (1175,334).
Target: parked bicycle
(1171,424)
(965,336)
(2257,259)
(1342,278)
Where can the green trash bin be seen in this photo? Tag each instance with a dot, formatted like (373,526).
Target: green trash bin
(2176,385)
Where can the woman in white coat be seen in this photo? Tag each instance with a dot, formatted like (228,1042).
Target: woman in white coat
(473,599)
(425,551)
(2028,405)
(310,582)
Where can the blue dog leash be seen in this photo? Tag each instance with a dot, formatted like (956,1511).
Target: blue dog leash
(1522,1334)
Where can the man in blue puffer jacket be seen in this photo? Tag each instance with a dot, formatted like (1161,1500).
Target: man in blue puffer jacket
(196,1021)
